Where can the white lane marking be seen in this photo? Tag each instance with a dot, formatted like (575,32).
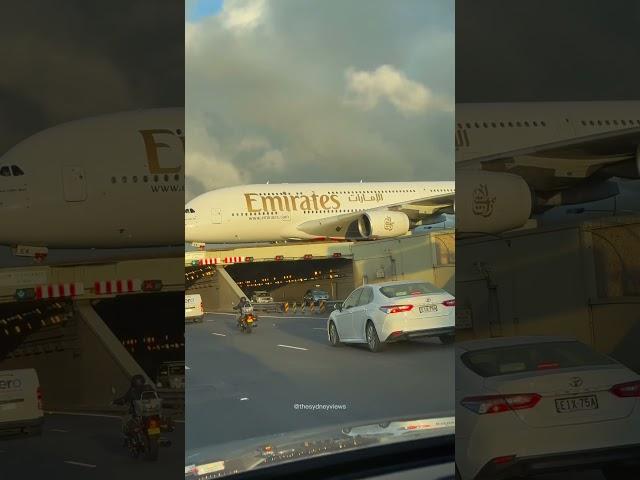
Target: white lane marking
(218,334)
(59,430)
(88,465)
(186,368)
(244,398)
(296,348)
(83,414)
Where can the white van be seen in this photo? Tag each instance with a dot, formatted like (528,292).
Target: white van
(20,402)
(171,375)
(193,308)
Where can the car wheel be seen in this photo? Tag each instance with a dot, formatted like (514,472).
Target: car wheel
(334,338)
(373,342)
(447,339)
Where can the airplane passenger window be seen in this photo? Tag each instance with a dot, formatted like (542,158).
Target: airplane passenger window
(124,179)
(135,179)
(166,178)
(113,179)
(176,177)
(155,178)
(145,179)
(16,170)
(4,171)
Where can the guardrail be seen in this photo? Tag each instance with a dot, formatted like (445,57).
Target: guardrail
(295,307)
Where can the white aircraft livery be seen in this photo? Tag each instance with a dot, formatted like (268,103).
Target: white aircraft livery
(106,182)
(315,211)
(517,159)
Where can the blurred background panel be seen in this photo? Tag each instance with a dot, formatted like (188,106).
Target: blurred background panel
(547,177)
(91,199)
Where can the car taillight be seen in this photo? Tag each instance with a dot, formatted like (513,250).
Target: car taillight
(547,365)
(449,303)
(396,308)
(202,306)
(153,423)
(39,396)
(630,389)
(500,403)
(504,459)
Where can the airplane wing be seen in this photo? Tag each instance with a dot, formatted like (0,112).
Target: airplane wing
(613,153)
(422,209)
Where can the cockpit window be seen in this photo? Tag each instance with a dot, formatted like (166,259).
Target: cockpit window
(4,171)
(189,210)
(16,170)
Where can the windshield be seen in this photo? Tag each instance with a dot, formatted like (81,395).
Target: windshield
(309,186)
(408,289)
(532,357)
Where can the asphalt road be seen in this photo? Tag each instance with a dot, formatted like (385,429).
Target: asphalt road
(86,447)
(241,386)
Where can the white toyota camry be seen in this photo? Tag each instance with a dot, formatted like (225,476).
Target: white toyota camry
(535,405)
(392,311)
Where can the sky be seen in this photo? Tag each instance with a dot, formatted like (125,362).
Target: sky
(302,90)
(546,50)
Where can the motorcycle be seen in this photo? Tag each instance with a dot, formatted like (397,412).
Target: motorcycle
(143,428)
(248,320)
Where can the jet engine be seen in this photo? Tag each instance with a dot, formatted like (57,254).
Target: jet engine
(383,224)
(491,202)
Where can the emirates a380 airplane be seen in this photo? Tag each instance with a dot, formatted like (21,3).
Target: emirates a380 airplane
(106,182)
(316,211)
(514,160)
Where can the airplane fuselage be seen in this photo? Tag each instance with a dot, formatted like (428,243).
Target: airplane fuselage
(273,212)
(110,181)
(484,129)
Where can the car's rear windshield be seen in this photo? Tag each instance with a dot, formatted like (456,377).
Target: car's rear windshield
(532,357)
(408,289)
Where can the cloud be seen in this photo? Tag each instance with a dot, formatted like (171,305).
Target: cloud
(242,15)
(366,89)
(270,102)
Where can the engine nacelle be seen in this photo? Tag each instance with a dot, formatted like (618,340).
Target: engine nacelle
(491,202)
(382,224)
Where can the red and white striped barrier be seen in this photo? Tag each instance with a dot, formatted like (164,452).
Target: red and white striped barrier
(106,287)
(57,290)
(221,261)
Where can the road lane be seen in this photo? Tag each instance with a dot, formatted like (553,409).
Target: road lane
(86,447)
(407,379)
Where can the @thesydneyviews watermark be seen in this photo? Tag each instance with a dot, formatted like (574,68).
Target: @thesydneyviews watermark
(319,406)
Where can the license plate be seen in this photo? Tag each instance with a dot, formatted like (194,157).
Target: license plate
(575,404)
(153,431)
(428,308)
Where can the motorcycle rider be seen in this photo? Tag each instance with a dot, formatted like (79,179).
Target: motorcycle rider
(242,303)
(136,387)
